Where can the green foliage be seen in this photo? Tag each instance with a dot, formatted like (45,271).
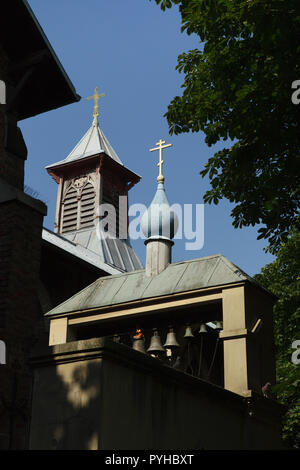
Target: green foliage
(282,277)
(238,87)
(166,3)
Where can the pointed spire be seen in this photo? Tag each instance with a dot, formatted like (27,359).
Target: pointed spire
(93,142)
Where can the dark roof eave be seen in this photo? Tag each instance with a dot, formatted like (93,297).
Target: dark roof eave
(36,80)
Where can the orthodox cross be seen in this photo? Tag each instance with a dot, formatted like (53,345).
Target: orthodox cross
(161,145)
(96,96)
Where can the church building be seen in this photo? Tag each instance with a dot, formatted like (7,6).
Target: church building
(180,355)
(91,176)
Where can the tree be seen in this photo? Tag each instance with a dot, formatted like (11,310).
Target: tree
(282,277)
(238,88)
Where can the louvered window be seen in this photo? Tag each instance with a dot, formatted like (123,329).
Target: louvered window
(87,209)
(80,213)
(70,209)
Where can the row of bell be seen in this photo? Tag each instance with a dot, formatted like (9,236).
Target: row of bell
(171,341)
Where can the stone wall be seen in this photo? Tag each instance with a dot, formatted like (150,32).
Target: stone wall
(21,219)
(20,244)
(96,394)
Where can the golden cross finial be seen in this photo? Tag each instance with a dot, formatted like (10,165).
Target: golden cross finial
(96,97)
(160,178)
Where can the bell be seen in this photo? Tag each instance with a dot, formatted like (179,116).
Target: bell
(188,332)
(139,345)
(116,338)
(171,341)
(155,343)
(203,328)
(177,364)
(219,325)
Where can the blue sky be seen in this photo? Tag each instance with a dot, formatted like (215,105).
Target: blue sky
(129,49)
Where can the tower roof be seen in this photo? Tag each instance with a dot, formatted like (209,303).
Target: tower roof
(159,221)
(92,143)
(184,276)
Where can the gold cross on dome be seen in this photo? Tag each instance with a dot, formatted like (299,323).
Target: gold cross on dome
(96,96)
(161,145)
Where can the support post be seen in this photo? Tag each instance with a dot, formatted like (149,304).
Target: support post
(234,335)
(58,331)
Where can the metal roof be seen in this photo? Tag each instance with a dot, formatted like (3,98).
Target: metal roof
(211,271)
(110,255)
(33,64)
(112,251)
(77,251)
(159,221)
(92,143)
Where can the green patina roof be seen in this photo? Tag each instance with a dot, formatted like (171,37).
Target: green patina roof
(211,271)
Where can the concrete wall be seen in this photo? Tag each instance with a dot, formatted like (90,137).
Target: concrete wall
(96,394)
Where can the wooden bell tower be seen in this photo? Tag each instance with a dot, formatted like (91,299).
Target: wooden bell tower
(93,175)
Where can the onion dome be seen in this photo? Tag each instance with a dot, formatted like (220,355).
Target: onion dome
(159,221)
